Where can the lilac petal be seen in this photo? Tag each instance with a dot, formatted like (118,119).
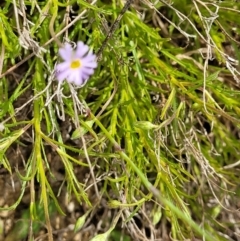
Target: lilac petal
(89,58)
(85,77)
(62,67)
(62,71)
(66,52)
(79,80)
(72,76)
(62,75)
(88,71)
(81,50)
(90,52)
(92,65)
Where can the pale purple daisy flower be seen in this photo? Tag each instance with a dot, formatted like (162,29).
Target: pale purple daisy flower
(78,65)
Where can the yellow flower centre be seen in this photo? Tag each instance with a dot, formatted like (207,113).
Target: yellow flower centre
(75,64)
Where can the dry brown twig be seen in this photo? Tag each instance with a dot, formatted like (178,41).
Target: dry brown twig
(25,39)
